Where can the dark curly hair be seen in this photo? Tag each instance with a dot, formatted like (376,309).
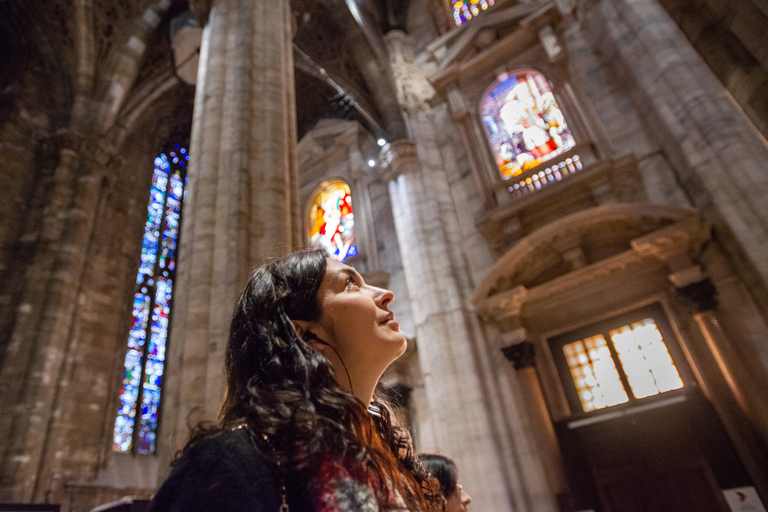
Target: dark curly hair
(284,389)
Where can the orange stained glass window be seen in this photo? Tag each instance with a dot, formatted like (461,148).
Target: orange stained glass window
(645,359)
(594,373)
(330,222)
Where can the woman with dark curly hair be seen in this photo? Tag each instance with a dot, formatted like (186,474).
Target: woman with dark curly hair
(300,427)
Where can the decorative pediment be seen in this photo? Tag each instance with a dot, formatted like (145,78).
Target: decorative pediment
(509,27)
(589,239)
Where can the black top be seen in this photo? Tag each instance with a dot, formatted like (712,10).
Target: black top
(224,473)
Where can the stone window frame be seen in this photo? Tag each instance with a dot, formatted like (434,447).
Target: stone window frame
(654,311)
(463,84)
(496,83)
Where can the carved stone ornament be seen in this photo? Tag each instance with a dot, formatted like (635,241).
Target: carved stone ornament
(566,232)
(674,244)
(413,89)
(504,305)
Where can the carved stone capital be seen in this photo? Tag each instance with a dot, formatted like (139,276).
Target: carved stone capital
(702,295)
(398,157)
(522,355)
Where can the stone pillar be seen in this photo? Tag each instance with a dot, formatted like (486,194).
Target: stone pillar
(718,154)
(457,404)
(243,201)
(450,347)
(747,387)
(41,337)
(543,472)
(734,391)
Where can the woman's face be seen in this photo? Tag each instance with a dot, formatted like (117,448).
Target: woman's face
(458,501)
(355,320)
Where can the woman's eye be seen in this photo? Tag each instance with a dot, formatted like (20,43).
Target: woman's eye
(351,282)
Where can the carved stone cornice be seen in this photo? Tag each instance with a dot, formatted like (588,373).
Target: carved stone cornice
(676,245)
(563,286)
(564,234)
(501,306)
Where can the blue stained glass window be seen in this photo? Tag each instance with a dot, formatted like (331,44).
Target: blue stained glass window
(145,355)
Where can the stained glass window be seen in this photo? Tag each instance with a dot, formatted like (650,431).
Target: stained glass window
(645,366)
(465,10)
(330,221)
(136,422)
(524,123)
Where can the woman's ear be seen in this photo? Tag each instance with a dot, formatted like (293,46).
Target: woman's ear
(301,327)
(303,330)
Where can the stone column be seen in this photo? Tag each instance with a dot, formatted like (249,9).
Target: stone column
(41,336)
(735,392)
(450,347)
(543,475)
(243,201)
(458,413)
(747,387)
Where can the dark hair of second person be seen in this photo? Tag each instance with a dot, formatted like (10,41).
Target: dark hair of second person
(445,472)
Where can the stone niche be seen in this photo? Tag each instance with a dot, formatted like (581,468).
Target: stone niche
(586,267)
(520,38)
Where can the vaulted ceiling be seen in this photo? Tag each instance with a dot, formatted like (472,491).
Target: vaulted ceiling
(340,57)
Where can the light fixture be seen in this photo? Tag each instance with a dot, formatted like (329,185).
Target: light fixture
(381,142)
(371,162)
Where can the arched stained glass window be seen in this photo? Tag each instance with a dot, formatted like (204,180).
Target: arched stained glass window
(524,123)
(465,10)
(330,222)
(136,422)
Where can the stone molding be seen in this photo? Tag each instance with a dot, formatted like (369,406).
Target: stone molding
(507,304)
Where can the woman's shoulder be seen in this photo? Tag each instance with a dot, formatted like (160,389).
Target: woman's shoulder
(222,471)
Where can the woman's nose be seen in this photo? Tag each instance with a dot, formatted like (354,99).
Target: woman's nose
(382,297)
(466,499)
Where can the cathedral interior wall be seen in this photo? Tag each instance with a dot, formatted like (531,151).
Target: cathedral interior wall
(640,138)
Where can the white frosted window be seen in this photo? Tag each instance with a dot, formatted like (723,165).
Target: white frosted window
(645,359)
